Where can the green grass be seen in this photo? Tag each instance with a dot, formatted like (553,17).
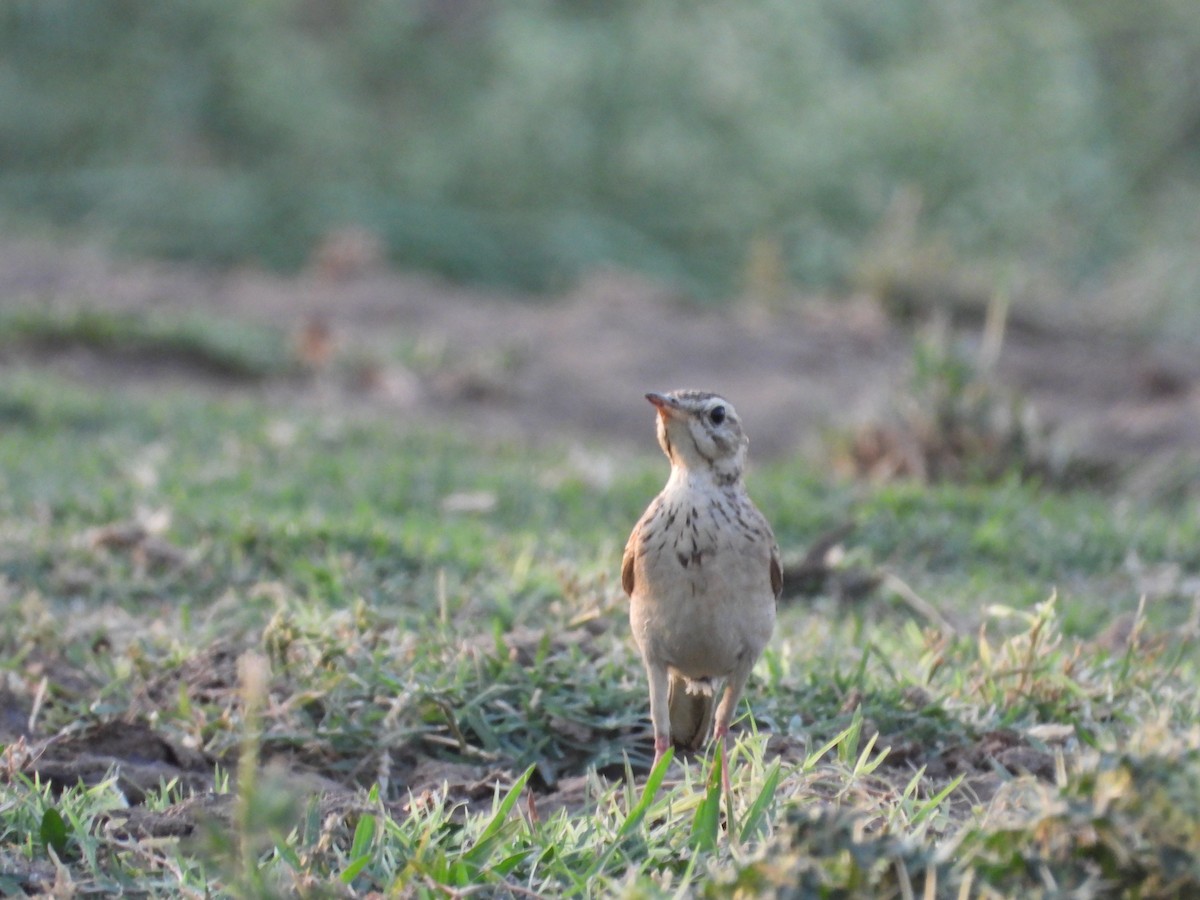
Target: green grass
(263,582)
(233,350)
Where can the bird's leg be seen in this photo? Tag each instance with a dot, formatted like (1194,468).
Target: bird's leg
(729,698)
(660,712)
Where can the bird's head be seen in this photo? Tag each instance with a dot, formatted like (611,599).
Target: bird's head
(701,431)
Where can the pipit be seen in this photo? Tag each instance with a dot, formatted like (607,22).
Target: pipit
(702,573)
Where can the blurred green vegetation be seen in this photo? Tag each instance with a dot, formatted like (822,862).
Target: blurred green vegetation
(520,143)
(231,349)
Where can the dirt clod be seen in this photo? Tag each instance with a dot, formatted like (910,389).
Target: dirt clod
(140,759)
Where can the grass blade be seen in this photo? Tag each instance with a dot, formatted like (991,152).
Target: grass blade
(53,831)
(930,806)
(364,834)
(483,846)
(706,823)
(360,849)
(756,815)
(653,782)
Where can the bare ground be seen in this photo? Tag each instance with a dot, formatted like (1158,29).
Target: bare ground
(576,365)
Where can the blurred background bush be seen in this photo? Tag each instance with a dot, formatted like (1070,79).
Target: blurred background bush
(522,143)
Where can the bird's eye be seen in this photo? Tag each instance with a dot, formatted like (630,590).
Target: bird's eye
(717,415)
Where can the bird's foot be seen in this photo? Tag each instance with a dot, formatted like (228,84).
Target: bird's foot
(661,746)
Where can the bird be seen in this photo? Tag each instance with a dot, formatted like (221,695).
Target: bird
(703,575)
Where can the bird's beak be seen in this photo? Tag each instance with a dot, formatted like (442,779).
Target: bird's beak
(665,405)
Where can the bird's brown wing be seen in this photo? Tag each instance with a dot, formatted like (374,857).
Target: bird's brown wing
(627,560)
(775,566)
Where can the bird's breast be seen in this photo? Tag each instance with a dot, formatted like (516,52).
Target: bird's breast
(703,584)
(702,534)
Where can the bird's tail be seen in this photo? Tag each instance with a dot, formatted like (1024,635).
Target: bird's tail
(691,704)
